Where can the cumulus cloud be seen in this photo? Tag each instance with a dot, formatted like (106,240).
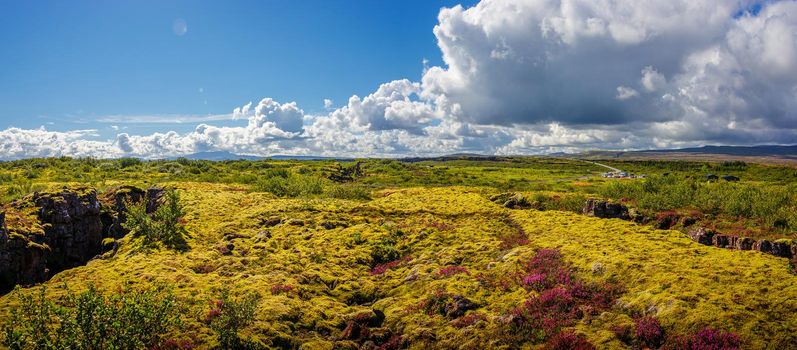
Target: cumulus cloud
(624,93)
(18,143)
(394,105)
(531,76)
(704,73)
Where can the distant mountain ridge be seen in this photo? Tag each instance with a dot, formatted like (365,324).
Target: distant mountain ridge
(217,156)
(762,150)
(785,154)
(224,155)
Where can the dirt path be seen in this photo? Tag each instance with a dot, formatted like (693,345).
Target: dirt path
(605,166)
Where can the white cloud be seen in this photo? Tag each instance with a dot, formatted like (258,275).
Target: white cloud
(25,143)
(162,119)
(578,64)
(624,93)
(327,103)
(652,80)
(393,105)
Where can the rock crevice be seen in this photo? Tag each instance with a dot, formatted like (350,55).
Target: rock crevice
(70,226)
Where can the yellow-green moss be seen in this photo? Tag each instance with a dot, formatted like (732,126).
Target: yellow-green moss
(686,285)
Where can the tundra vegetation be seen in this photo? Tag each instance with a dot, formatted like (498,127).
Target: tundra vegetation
(418,254)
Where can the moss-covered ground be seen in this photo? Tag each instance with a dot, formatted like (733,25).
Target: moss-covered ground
(423,244)
(314,264)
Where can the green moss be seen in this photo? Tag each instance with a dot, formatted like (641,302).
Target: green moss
(38,246)
(108,241)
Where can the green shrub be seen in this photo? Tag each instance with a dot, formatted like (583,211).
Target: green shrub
(128,162)
(162,226)
(291,186)
(571,202)
(227,317)
(22,188)
(276,172)
(768,203)
(384,251)
(90,320)
(4,178)
(347,192)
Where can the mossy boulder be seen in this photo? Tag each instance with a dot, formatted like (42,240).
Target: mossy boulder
(605,210)
(701,235)
(511,200)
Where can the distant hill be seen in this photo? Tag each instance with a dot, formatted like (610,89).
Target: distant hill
(289,157)
(455,156)
(217,156)
(223,155)
(763,150)
(759,154)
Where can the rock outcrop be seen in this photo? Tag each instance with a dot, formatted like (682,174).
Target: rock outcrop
(114,213)
(66,230)
(72,227)
(701,235)
(511,201)
(706,236)
(605,209)
(780,249)
(20,261)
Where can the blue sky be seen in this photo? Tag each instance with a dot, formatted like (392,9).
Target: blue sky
(166,78)
(68,64)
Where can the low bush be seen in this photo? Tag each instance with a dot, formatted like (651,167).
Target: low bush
(228,317)
(649,332)
(22,188)
(129,162)
(164,225)
(706,339)
(90,320)
(290,186)
(449,271)
(562,299)
(384,267)
(347,192)
(383,251)
(568,341)
(769,203)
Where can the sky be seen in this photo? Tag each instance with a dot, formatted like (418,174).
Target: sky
(159,79)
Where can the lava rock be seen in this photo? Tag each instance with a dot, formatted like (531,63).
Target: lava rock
(271,222)
(511,200)
(263,236)
(701,235)
(605,209)
(688,221)
(458,306)
(721,241)
(780,249)
(72,235)
(666,221)
(744,243)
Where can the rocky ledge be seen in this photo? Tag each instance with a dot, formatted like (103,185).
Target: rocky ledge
(61,230)
(781,248)
(605,210)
